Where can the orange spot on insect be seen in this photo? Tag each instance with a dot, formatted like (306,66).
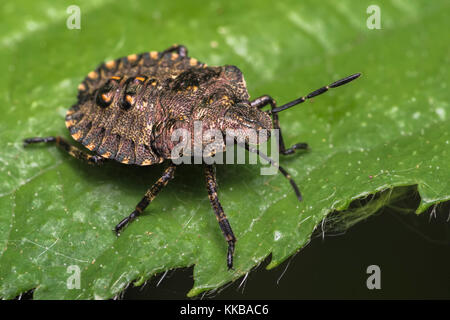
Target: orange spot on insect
(81,87)
(146,162)
(115,78)
(110,64)
(140,79)
(129,99)
(132,57)
(174,56)
(69,123)
(90,146)
(93,75)
(106,97)
(126,160)
(154,55)
(106,154)
(77,135)
(193,62)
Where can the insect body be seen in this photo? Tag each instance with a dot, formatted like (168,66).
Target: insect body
(128,108)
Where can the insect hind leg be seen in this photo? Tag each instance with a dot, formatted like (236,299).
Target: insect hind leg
(64,145)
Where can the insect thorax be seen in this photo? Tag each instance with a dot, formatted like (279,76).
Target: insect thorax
(202,106)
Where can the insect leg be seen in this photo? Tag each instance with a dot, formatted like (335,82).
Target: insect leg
(180,49)
(64,145)
(274,164)
(211,185)
(148,197)
(262,102)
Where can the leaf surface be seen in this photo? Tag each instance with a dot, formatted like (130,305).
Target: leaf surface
(389,128)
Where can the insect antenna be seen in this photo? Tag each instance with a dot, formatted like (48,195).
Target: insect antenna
(274,164)
(315,93)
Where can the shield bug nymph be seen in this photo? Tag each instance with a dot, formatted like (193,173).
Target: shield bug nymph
(128,108)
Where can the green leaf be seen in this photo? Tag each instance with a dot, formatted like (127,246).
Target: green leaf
(389,128)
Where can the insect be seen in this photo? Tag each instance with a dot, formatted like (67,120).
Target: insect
(128,108)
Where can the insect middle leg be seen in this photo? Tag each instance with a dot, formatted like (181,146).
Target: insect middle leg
(262,102)
(64,145)
(148,197)
(211,185)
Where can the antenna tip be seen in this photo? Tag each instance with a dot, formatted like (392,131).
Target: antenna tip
(345,80)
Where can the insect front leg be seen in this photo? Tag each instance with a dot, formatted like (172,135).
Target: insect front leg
(211,185)
(64,145)
(262,102)
(148,197)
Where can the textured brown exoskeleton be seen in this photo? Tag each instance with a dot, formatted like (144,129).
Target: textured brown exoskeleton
(128,108)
